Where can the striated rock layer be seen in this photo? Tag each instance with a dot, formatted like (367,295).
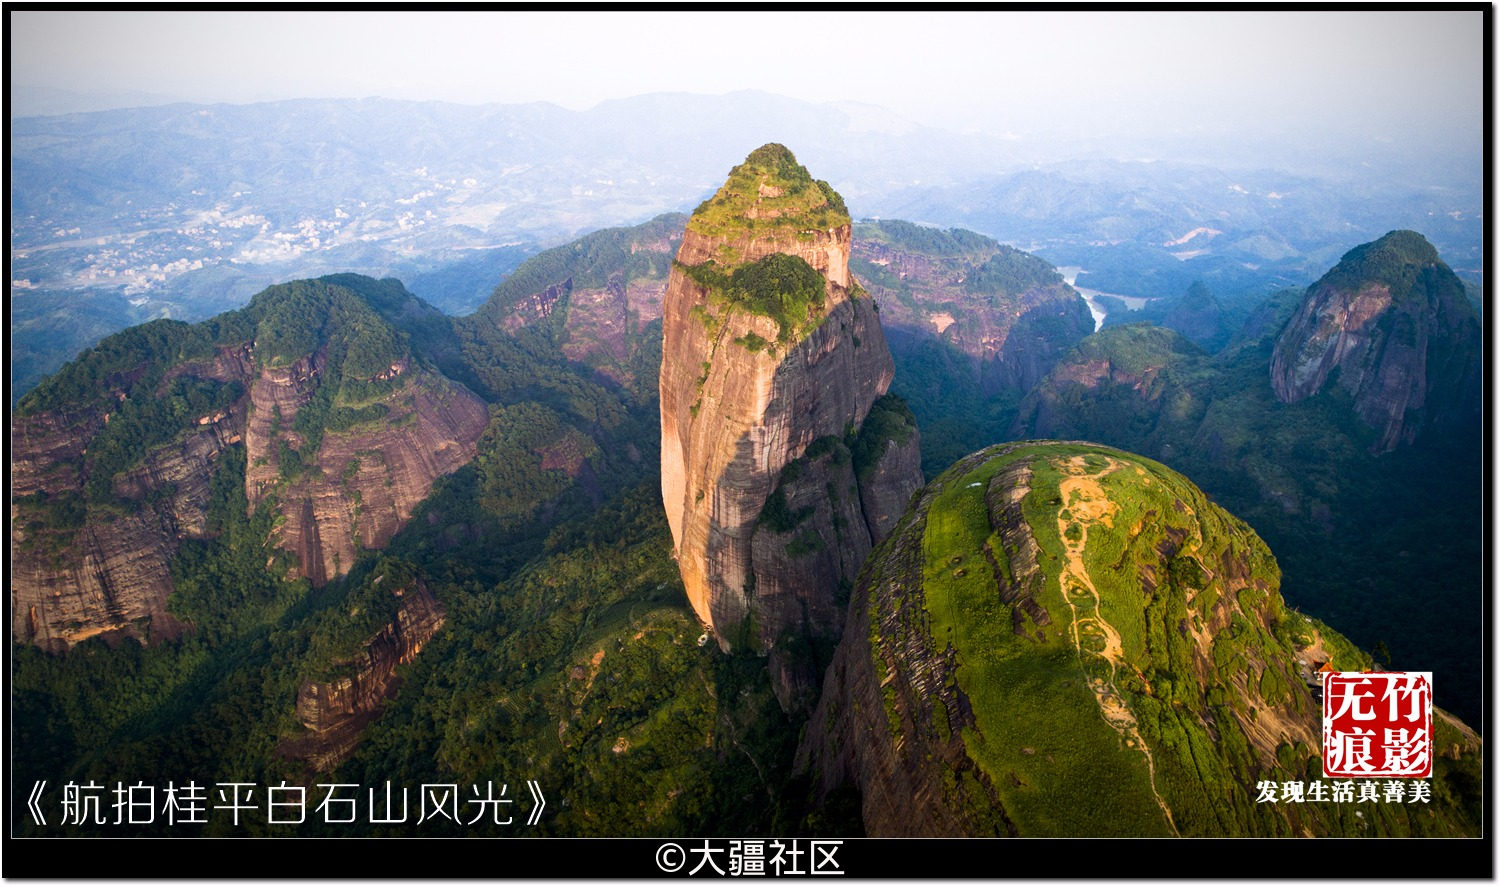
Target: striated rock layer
(1050,619)
(599,296)
(1008,313)
(93,558)
(109,574)
(746,392)
(368,478)
(335,711)
(1389,325)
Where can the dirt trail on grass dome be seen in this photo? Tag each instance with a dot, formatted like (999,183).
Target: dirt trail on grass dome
(1084,500)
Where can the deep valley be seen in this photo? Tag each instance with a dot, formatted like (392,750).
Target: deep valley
(761,519)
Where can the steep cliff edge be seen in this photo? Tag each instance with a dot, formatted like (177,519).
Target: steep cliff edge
(362,482)
(1391,326)
(769,347)
(595,298)
(336,710)
(1064,639)
(344,430)
(1009,313)
(105,486)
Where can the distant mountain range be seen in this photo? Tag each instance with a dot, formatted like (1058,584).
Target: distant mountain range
(184,210)
(297,503)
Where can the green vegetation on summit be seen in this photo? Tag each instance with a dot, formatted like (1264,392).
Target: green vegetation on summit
(122,362)
(780,286)
(1051,618)
(295,319)
(769,192)
(1349,523)
(1397,260)
(769,197)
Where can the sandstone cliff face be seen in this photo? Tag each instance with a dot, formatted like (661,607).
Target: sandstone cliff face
(1052,617)
(1390,326)
(233,363)
(371,477)
(901,777)
(183,469)
(336,711)
(754,414)
(109,576)
(741,399)
(276,395)
(886,490)
(47,450)
(1009,313)
(111,580)
(600,294)
(86,566)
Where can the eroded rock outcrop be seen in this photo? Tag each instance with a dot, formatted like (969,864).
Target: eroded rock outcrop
(385,428)
(1010,314)
(335,711)
(1052,617)
(1390,326)
(83,567)
(108,579)
(112,461)
(772,359)
(47,449)
(599,294)
(366,480)
(277,393)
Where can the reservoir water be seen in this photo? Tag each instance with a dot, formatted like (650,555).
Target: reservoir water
(1070,273)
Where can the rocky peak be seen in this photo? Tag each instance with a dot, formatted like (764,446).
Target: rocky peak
(334,417)
(1051,617)
(769,189)
(1391,327)
(772,359)
(771,205)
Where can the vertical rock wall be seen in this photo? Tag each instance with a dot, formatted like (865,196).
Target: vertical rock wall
(738,406)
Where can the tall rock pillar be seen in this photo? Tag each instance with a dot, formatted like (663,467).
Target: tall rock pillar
(775,484)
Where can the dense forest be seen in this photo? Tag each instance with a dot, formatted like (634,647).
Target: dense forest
(568,653)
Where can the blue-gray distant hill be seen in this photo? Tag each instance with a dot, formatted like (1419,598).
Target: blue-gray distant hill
(186,210)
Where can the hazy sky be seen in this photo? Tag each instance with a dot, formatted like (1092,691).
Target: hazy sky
(1373,74)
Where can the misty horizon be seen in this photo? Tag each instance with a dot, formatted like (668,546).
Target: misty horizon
(1301,152)
(1127,85)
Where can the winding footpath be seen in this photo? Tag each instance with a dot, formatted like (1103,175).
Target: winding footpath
(1083,497)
